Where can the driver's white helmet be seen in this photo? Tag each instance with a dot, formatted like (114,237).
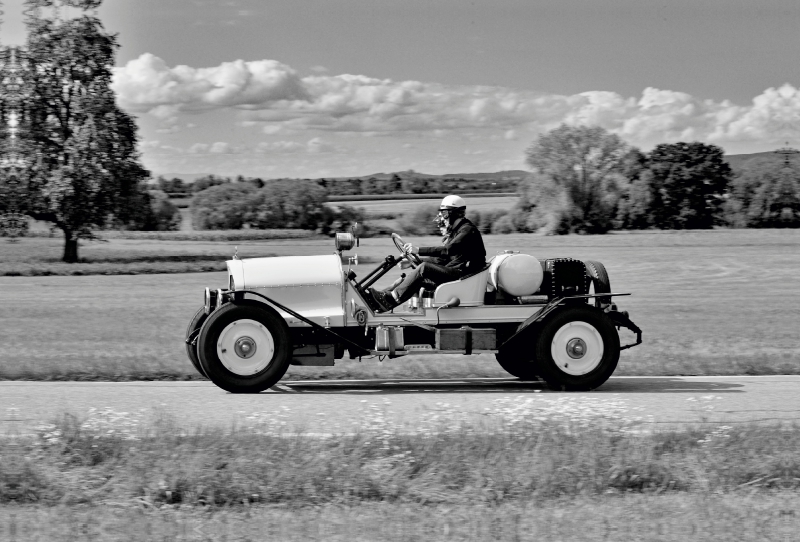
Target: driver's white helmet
(451,203)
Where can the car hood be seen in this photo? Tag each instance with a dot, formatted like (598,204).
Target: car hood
(286,271)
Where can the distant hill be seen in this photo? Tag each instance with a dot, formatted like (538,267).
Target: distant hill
(738,161)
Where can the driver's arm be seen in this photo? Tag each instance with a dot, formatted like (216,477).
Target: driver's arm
(461,243)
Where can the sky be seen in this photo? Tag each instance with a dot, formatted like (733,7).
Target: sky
(332,88)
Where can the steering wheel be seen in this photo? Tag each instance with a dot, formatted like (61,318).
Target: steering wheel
(413,259)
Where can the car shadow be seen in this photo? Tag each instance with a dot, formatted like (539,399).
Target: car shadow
(645,384)
(498,385)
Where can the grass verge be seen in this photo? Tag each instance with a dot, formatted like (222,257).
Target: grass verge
(678,518)
(505,463)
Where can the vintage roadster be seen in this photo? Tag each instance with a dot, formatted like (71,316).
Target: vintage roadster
(552,320)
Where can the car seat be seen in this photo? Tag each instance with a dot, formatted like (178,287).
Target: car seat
(469,289)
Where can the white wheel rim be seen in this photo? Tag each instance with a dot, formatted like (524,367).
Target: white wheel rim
(245,347)
(577,348)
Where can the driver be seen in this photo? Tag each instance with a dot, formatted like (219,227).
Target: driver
(462,252)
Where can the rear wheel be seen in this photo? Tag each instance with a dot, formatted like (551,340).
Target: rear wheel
(600,281)
(191,335)
(244,348)
(577,349)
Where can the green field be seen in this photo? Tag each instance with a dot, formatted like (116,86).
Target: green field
(402,206)
(711,302)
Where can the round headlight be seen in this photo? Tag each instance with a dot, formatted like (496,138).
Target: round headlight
(344,241)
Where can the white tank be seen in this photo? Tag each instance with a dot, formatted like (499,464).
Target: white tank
(516,274)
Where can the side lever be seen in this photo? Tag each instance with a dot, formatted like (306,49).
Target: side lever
(454,302)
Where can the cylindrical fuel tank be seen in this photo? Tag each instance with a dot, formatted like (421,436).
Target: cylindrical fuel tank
(516,274)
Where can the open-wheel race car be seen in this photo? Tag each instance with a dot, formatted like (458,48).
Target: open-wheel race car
(552,320)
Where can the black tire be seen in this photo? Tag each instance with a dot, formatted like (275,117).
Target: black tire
(597,272)
(517,366)
(191,350)
(269,341)
(563,333)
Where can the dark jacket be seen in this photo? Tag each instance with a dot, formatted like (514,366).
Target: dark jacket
(462,249)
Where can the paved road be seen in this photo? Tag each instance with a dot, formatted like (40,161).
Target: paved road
(340,406)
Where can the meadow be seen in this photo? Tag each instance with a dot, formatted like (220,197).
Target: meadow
(709,302)
(399,207)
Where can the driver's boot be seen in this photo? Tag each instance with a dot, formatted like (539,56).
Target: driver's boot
(384,299)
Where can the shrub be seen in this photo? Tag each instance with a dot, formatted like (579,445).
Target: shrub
(419,221)
(222,207)
(484,220)
(503,225)
(288,204)
(166,216)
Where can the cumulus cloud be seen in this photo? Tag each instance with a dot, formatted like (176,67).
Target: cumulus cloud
(147,84)
(272,94)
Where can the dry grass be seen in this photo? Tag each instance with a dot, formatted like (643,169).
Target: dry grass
(716,302)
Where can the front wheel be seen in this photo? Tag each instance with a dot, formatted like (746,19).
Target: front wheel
(577,349)
(516,365)
(191,338)
(244,348)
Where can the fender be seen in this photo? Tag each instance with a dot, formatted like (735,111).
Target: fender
(550,307)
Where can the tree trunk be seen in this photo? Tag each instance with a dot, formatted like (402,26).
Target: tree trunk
(70,248)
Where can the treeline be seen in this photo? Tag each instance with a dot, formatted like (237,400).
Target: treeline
(399,183)
(288,203)
(582,180)
(587,180)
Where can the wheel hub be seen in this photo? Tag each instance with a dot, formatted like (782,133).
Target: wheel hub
(576,348)
(245,347)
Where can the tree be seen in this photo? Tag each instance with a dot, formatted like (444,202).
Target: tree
(579,167)
(166,216)
(208,181)
(171,186)
(689,184)
(636,199)
(223,207)
(765,194)
(288,204)
(83,169)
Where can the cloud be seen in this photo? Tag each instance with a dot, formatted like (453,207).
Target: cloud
(313,146)
(317,145)
(218,147)
(271,94)
(279,147)
(147,84)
